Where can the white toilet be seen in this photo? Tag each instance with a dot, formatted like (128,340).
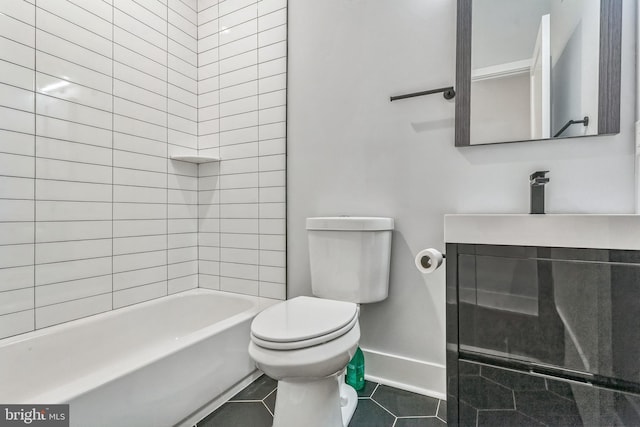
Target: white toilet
(305,343)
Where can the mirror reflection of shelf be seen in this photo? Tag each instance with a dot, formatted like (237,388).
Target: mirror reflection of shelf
(501,70)
(194,158)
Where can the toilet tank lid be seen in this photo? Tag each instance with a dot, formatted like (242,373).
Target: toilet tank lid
(350,223)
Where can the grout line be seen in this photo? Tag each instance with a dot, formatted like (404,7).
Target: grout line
(53,221)
(114,60)
(198,141)
(95,239)
(249,66)
(434,416)
(380,405)
(35,125)
(98,294)
(374,390)
(257,54)
(87,29)
(190,7)
(265,398)
(179,28)
(168,161)
(286,161)
(226,58)
(112,158)
(265,405)
(245,278)
(219,221)
(245,82)
(244,97)
(245,249)
(89,11)
(258,33)
(186,190)
(149,10)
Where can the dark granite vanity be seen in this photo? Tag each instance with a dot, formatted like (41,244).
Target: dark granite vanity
(542,336)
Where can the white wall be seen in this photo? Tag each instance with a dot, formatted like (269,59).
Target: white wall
(350,151)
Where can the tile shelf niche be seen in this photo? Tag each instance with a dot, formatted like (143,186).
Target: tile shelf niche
(195,158)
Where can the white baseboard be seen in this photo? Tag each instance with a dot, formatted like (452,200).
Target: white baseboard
(405,373)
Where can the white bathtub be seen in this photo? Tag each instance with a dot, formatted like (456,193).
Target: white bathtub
(150,364)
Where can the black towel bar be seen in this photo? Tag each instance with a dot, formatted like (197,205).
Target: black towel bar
(447,92)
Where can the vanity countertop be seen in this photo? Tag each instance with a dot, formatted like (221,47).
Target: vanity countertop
(553,230)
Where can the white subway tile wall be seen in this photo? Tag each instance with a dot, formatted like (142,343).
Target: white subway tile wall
(17,162)
(95,96)
(242,118)
(183,139)
(140,179)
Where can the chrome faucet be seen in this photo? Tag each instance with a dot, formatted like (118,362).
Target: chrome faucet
(537,181)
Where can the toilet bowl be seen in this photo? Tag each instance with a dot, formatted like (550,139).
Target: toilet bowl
(305,343)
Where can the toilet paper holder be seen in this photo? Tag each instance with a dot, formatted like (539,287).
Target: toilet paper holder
(428,260)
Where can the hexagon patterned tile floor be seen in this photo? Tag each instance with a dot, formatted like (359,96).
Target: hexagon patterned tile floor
(378,406)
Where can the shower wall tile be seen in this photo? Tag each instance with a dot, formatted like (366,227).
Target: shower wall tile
(183,227)
(242,118)
(95,97)
(139,294)
(208,143)
(183,139)
(140,168)
(92,102)
(17,167)
(272,147)
(72,309)
(73,100)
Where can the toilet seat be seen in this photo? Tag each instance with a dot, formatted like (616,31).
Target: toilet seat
(295,345)
(303,322)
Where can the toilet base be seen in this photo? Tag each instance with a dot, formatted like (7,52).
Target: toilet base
(349,401)
(315,403)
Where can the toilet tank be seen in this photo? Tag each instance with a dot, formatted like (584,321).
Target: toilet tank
(349,257)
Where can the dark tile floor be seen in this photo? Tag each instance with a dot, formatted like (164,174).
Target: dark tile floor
(378,406)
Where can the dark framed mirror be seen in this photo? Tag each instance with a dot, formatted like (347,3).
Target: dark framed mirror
(537,70)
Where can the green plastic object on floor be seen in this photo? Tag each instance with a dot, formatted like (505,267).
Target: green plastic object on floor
(355,371)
